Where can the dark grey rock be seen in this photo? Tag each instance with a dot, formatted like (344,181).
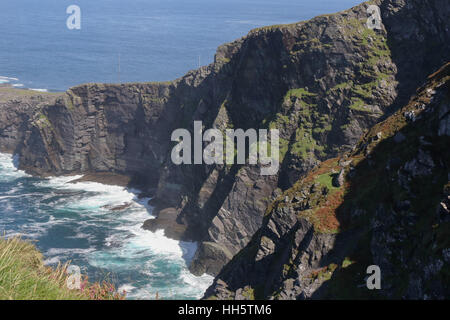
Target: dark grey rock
(209,259)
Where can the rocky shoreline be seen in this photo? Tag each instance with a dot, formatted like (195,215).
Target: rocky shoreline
(107,178)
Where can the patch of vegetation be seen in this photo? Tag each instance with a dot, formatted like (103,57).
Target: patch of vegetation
(324,217)
(323,198)
(274,27)
(279,122)
(284,147)
(8,93)
(308,44)
(343,85)
(299,93)
(325,273)
(364,91)
(358,105)
(305,145)
(347,262)
(43,121)
(326,180)
(311,124)
(376,50)
(224,60)
(249,293)
(68,102)
(23,276)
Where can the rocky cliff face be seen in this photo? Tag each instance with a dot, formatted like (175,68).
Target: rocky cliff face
(322,83)
(18,109)
(386,203)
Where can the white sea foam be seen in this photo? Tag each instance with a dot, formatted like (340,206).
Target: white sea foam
(34,230)
(81,235)
(8,78)
(24,235)
(8,168)
(57,255)
(101,195)
(154,247)
(39,90)
(126,288)
(67,251)
(52,261)
(130,242)
(158,262)
(155,241)
(14,190)
(4,80)
(58,182)
(196,285)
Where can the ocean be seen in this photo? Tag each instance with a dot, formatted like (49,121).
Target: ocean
(74,222)
(151,40)
(119,41)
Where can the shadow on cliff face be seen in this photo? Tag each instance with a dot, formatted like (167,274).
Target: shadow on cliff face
(392,212)
(406,234)
(232,97)
(252,87)
(402,232)
(392,200)
(419,40)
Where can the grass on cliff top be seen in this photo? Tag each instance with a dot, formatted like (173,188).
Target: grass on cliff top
(23,276)
(8,93)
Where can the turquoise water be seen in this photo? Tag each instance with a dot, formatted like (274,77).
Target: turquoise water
(72,222)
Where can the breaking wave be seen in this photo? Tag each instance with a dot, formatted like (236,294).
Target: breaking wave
(98,228)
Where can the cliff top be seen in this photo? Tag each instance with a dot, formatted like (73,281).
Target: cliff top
(9,94)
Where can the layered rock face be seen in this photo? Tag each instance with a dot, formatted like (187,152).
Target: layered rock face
(322,83)
(391,209)
(17,112)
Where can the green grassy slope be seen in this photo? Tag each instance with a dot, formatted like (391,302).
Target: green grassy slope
(23,276)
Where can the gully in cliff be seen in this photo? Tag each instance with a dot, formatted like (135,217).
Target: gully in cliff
(216,151)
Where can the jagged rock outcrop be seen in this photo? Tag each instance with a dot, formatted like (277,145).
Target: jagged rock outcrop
(17,112)
(322,83)
(391,210)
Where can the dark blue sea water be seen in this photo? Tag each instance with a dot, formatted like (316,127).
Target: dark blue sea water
(156,40)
